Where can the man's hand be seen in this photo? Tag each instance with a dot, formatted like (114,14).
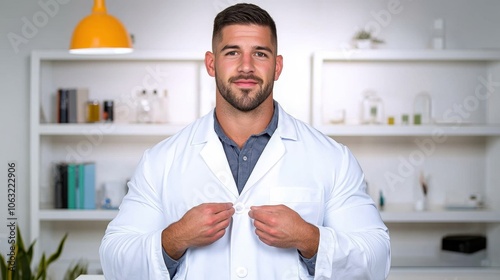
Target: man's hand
(200,226)
(280,226)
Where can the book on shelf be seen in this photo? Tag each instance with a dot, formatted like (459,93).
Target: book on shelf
(88,186)
(71,185)
(62,106)
(74,185)
(71,105)
(60,183)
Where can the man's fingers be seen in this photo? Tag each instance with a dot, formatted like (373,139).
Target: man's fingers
(218,207)
(263,213)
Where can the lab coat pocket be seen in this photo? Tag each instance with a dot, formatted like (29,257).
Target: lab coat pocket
(305,201)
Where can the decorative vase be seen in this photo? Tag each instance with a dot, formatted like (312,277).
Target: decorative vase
(364,44)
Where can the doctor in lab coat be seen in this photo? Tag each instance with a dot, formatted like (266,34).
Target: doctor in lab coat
(302,213)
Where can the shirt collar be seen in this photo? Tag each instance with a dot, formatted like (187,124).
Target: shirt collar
(271,127)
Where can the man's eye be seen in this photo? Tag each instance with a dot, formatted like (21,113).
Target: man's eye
(232,53)
(260,54)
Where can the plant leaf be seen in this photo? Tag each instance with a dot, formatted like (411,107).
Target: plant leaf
(23,267)
(19,241)
(41,272)
(30,251)
(78,269)
(24,259)
(3,267)
(56,255)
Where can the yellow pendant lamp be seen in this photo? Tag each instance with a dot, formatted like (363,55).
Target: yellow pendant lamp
(100,33)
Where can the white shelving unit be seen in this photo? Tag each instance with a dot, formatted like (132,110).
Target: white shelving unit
(117,78)
(77,215)
(459,153)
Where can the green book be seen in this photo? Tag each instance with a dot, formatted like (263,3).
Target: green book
(81,186)
(71,186)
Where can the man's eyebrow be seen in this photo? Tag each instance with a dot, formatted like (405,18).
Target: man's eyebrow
(236,47)
(227,47)
(262,48)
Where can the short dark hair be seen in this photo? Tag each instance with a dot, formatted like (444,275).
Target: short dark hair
(243,13)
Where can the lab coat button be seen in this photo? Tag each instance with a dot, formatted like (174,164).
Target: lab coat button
(241,272)
(239,208)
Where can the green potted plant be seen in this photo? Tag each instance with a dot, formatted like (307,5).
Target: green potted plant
(23,257)
(364,39)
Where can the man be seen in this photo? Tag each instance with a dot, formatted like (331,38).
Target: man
(247,191)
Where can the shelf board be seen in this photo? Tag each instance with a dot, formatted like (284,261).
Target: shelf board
(409,55)
(456,273)
(410,130)
(76,215)
(109,129)
(332,130)
(404,213)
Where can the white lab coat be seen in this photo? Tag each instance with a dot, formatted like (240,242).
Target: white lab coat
(300,167)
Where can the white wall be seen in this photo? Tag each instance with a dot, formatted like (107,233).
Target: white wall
(303,27)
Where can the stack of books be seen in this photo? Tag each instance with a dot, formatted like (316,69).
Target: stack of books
(74,185)
(71,105)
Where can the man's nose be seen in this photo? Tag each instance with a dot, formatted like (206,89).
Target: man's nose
(246,63)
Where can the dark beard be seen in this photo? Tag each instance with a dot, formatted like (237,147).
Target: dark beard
(245,103)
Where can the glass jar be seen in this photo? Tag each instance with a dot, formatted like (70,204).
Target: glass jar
(93,111)
(422,109)
(372,109)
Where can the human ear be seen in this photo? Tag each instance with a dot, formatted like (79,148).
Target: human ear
(279,67)
(209,63)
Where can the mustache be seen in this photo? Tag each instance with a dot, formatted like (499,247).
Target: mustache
(246,77)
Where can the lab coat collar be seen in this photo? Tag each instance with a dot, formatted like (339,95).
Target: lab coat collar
(215,158)
(286,127)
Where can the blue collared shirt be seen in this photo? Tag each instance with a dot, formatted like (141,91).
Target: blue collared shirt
(242,161)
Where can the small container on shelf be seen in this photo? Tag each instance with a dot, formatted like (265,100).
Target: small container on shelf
(422,109)
(144,109)
(405,119)
(390,120)
(93,111)
(335,116)
(160,106)
(108,110)
(421,203)
(372,109)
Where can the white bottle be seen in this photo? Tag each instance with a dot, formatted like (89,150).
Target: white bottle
(163,111)
(155,106)
(144,110)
